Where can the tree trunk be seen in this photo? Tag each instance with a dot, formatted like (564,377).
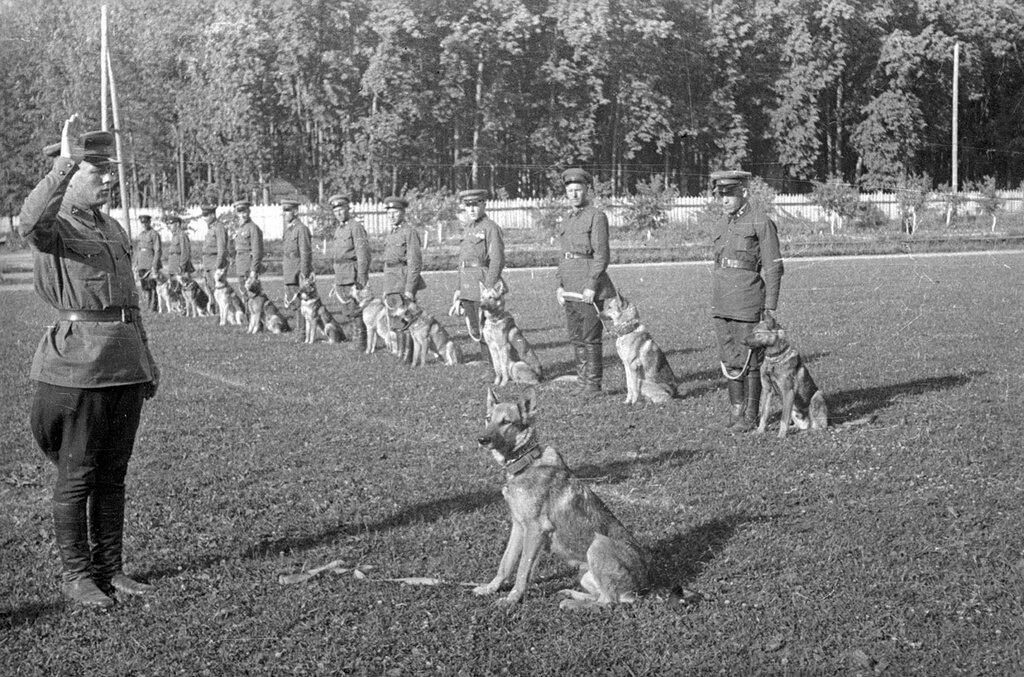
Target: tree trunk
(477,121)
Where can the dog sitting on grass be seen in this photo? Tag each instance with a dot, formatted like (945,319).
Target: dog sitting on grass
(428,336)
(512,356)
(552,509)
(784,373)
(263,314)
(315,313)
(229,305)
(647,369)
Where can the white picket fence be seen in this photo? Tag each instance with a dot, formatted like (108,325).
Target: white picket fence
(526,213)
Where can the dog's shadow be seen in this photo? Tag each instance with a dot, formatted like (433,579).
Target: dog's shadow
(678,560)
(712,380)
(617,471)
(847,405)
(28,614)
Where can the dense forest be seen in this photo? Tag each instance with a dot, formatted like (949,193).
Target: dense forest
(227,98)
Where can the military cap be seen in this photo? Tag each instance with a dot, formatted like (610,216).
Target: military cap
(731,177)
(208,209)
(468,197)
(289,204)
(396,203)
(241,205)
(576,175)
(337,200)
(145,218)
(93,147)
(172,218)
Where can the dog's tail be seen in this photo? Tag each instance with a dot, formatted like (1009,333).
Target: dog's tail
(863,420)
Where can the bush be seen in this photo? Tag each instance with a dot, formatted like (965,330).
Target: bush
(648,207)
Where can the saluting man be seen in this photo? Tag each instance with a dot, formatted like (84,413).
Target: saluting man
(147,260)
(179,252)
(744,290)
(350,253)
(403,265)
(93,366)
(481,260)
(248,245)
(583,281)
(297,259)
(215,249)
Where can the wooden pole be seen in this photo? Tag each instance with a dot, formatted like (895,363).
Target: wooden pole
(954,182)
(103,68)
(120,149)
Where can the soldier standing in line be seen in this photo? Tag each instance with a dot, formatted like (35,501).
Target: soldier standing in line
(93,367)
(744,290)
(481,260)
(147,260)
(179,251)
(583,282)
(403,265)
(350,252)
(248,245)
(296,261)
(215,250)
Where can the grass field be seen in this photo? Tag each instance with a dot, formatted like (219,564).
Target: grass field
(893,548)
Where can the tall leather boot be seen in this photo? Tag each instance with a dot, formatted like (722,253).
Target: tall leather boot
(485,355)
(300,326)
(358,335)
(70,527)
(580,357)
(106,525)
(737,401)
(749,420)
(593,369)
(407,346)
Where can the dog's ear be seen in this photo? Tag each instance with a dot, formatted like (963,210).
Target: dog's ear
(491,402)
(528,404)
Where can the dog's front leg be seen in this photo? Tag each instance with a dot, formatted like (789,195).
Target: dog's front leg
(766,400)
(513,549)
(534,539)
(633,379)
(788,397)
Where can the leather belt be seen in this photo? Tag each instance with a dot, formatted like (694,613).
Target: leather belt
(571,255)
(469,264)
(736,263)
(394,263)
(119,314)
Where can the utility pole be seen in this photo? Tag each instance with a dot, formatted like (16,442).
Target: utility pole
(956,112)
(103,68)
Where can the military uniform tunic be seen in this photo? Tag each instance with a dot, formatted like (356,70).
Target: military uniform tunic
(215,248)
(350,252)
(83,262)
(748,266)
(583,239)
(481,258)
(297,252)
(179,253)
(248,249)
(148,250)
(403,262)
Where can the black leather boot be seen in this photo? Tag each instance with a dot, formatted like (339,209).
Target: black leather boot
(752,405)
(106,524)
(71,530)
(485,355)
(358,335)
(737,400)
(593,369)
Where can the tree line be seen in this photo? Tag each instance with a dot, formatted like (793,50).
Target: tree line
(221,99)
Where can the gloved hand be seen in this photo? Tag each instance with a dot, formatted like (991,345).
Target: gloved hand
(149,389)
(560,295)
(456,307)
(588,295)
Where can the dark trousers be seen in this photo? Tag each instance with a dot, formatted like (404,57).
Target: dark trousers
(731,351)
(583,322)
(471,309)
(89,434)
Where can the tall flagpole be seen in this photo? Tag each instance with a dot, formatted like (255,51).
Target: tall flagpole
(120,149)
(103,68)
(954,181)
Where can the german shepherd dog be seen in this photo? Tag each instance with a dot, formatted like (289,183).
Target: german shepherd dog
(169,296)
(263,314)
(647,369)
(229,305)
(428,336)
(315,313)
(197,302)
(783,372)
(552,509)
(375,319)
(512,356)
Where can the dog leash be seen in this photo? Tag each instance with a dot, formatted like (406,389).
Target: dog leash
(743,370)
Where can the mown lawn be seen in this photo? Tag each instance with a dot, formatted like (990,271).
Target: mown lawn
(892,548)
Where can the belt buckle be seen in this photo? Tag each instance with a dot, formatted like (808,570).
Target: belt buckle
(568,255)
(126,315)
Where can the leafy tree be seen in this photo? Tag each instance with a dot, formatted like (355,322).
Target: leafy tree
(988,197)
(912,193)
(839,200)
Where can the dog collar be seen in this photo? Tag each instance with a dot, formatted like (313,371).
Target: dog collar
(623,329)
(526,458)
(781,357)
